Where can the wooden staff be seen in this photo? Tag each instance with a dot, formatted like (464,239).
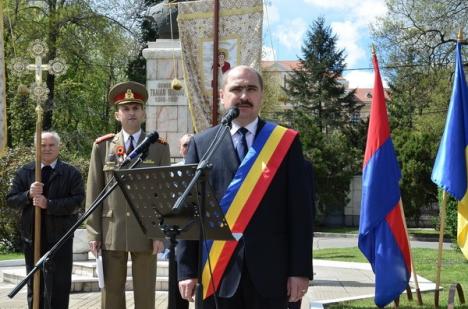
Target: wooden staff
(442,215)
(37,210)
(40,93)
(416,283)
(214,116)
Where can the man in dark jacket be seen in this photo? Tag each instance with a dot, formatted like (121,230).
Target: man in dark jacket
(258,177)
(59,195)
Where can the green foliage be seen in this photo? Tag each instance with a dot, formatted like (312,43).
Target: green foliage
(415,151)
(425,29)
(419,97)
(95,48)
(332,161)
(321,111)
(416,40)
(10,239)
(22,122)
(454,268)
(136,70)
(315,87)
(451,220)
(10,162)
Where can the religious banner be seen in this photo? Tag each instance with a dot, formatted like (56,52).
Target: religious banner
(240,42)
(3,119)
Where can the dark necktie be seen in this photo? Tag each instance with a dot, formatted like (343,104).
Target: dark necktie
(242,146)
(46,171)
(130,146)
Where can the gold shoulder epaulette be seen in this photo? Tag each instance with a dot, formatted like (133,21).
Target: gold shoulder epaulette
(162,141)
(104,138)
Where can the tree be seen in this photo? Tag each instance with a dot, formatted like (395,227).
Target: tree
(417,40)
(322,110)
(95,47)
(415,151)
(427,29)
(332,161)
(148,33)
(317,87)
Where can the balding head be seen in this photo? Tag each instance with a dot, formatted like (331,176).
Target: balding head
(243,88)
(242,67)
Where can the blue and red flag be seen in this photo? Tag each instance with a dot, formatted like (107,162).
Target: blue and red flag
(382,234)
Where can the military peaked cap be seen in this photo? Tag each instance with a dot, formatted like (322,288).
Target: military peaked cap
(128,92)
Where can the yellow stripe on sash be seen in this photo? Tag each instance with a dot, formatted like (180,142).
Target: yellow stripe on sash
(256,171)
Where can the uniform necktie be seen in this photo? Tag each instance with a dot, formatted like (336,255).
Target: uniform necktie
(130,146)
(242,146)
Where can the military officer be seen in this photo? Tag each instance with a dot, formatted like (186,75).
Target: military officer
(112,228)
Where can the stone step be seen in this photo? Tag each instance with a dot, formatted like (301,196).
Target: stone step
(88,268)
(84,277)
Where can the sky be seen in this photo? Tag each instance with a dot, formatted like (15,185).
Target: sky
(285,23)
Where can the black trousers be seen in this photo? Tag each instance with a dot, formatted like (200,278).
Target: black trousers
(295,305)
(56,278)
(247,297)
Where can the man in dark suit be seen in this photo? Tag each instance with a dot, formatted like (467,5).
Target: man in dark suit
(309,173)
(272,260)
(60,196)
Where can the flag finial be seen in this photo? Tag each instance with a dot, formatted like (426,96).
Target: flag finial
(460,35)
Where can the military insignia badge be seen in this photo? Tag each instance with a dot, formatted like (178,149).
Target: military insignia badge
(129,94)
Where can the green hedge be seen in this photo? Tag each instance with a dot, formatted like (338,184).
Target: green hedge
(10,162)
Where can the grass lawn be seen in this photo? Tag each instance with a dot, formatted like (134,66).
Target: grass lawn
(454,269)
(424,232)
(11,256)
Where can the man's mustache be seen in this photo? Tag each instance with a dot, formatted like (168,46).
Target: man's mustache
(244,103)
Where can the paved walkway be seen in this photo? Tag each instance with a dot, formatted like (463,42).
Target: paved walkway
(333,282)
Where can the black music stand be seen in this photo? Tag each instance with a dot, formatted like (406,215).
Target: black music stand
(152,193)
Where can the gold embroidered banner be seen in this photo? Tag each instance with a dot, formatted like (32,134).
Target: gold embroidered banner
(240,42)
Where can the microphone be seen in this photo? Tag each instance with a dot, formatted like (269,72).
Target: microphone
(142,147)
(231,114)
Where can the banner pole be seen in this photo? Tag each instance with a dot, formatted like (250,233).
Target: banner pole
(442,215)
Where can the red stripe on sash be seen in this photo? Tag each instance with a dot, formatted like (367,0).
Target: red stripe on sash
(249,209)
(263,182)
(223,261)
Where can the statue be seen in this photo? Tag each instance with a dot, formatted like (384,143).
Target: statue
(163,13)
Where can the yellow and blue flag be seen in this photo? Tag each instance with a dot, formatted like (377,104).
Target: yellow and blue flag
(450,167)
(382,234)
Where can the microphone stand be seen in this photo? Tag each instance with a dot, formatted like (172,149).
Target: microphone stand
(42,262)
(202,167)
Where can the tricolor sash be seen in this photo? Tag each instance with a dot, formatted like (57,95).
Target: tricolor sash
(243,195)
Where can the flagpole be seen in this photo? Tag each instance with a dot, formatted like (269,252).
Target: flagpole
(441,242)
(416,283)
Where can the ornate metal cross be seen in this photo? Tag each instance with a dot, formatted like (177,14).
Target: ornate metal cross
(39,93)
(57,66)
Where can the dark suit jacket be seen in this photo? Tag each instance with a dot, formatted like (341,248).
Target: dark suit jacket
(65,195)
(277,243)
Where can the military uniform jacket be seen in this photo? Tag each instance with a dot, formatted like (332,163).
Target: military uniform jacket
(113,223)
